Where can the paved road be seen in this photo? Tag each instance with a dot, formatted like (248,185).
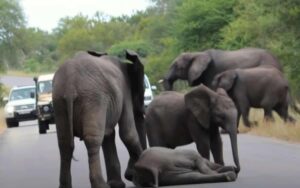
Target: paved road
(12,81)
(30,160)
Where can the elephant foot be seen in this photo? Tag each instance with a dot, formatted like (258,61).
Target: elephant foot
(130,170)
(251,124)
(231,176)
(291,120)
(226,169)
(116,184)
(129,174)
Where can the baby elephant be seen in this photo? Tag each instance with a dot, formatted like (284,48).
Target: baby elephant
(256,87)
(158,166)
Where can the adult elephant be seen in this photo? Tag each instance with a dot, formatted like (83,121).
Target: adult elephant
(201,67)
(158,166)
(174,119)
(91,94)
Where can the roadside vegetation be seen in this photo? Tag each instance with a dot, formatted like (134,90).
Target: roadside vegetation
(278,129)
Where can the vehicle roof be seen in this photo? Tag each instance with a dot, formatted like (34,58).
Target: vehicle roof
(45,77)
(22,87)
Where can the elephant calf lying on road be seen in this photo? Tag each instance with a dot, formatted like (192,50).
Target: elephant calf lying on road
(256,87)
(174,119)
(160,166)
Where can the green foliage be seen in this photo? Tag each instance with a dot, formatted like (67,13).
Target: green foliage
(12,19)
(199,23)
(141,47)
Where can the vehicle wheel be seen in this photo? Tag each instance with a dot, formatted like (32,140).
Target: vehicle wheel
(42,127)
(12,123)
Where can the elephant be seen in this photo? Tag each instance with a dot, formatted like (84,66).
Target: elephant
(258,87)
(201,67)
(91,94)
(174,119)
(158,166)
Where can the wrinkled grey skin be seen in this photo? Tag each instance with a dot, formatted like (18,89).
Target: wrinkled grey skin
(202,67)
(158,166)
(174,119)
(91,94)
(256,87)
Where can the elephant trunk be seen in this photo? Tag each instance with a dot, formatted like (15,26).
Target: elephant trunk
(234,147)
(169,80)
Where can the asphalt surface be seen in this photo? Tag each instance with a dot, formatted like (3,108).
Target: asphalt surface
(30,160)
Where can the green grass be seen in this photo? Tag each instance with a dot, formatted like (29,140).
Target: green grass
(277,129)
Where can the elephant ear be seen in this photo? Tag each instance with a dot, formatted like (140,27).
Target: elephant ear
(136,77)
(145,176)
(198,102)
(97,54)
(227,79)
(199,64)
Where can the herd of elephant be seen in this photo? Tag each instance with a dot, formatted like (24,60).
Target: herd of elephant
(93,92)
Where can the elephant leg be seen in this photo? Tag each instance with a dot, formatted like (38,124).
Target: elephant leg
(216,146)
(66,146)
(268,115)
(201,138)
(112,163)
(195,177)
(245,115)
(219,168)
(94,123)
(66,153)
(129,136)
(282,111)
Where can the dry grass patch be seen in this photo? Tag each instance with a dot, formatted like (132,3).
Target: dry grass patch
(2,121)
(278,129)
(19,73)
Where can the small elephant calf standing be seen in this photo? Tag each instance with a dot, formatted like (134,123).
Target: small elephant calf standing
(160,166)
(256,87)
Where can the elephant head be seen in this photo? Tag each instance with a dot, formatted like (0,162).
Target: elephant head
(214,109)
(187,66)
(225,80)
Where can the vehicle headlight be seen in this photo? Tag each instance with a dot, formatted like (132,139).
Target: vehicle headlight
(46,108)
(10,109)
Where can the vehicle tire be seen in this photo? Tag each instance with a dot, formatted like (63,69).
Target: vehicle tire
(12,123)
(42,127)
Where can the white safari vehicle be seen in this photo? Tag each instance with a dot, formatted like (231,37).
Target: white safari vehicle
(148,95)
(20,105)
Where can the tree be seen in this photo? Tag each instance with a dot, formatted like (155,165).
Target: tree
(12,19)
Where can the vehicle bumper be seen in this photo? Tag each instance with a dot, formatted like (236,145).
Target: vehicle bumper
(22,116)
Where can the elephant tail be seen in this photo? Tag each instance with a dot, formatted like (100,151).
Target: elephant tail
(292,103)
(70,101)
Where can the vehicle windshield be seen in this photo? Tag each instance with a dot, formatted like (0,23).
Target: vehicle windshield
(146,83)
(19,94)
(45,86)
